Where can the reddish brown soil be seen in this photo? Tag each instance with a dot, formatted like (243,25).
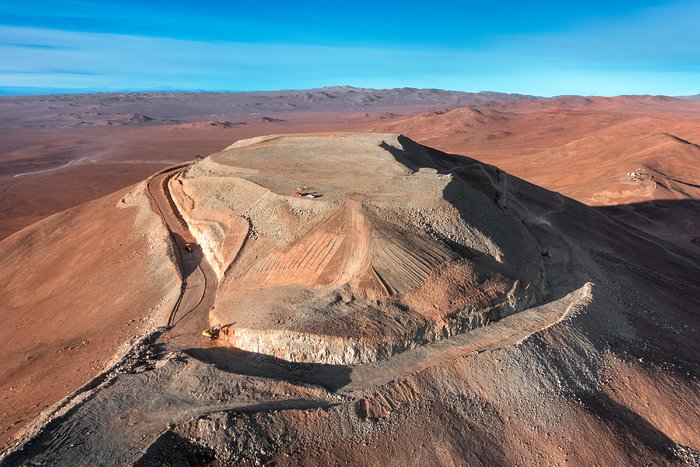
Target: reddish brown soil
(75,288)
(85,270)
(122,156)
(581,147)
(584,152)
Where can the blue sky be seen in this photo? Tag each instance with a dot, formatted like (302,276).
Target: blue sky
(543,48)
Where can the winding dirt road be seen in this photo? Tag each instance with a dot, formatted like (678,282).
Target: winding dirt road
(191,313)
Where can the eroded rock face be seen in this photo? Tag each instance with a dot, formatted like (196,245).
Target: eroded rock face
(392,250)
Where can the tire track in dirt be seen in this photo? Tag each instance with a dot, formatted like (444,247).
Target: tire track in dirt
(117,424)
(198,293)
(75,420)
(405,262)
(342,239)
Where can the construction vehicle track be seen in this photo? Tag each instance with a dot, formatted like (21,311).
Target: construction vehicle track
(191,312)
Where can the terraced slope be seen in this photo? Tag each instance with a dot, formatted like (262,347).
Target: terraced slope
(395,250)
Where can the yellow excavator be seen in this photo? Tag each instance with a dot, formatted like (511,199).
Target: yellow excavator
(214,332)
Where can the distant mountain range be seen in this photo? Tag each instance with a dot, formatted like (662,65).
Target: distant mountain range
(28,107)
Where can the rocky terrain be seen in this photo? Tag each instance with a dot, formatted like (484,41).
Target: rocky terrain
(448,265)
(86,146)
(382,249)
(382,302)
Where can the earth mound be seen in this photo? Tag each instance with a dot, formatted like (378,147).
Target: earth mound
(349,248)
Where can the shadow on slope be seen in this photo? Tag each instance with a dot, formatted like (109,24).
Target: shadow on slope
(606,230)
(652,247)
(676,221)
(331,377)
(495,191)
(625,422)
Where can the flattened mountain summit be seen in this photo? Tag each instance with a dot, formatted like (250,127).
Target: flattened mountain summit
(349,248)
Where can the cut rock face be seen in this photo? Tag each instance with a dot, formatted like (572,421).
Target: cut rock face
(394,250)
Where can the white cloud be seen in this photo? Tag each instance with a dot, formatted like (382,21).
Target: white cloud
(655,51)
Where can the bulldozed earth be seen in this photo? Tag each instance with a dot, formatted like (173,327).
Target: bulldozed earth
(392,253)
(374,301)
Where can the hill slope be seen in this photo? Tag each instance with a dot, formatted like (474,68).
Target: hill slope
(420,307)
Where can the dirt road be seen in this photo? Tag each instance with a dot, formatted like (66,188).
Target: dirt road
(118,422)
(191,314)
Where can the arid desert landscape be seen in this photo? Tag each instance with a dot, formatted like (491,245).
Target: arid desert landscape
(349,276)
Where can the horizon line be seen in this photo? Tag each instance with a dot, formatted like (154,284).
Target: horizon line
(29,91)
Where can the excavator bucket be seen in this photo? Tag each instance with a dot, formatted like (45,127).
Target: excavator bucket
(212,333)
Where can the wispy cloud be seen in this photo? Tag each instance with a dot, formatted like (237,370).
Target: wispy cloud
(159,62)
(47,71)
(657,50)
(32,46)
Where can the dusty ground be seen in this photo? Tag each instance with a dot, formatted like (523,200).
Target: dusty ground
(582,152)
(585,148)
(101,160)
(604,371)
(395,252)
(581,147)
(86,146)
(76,288)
